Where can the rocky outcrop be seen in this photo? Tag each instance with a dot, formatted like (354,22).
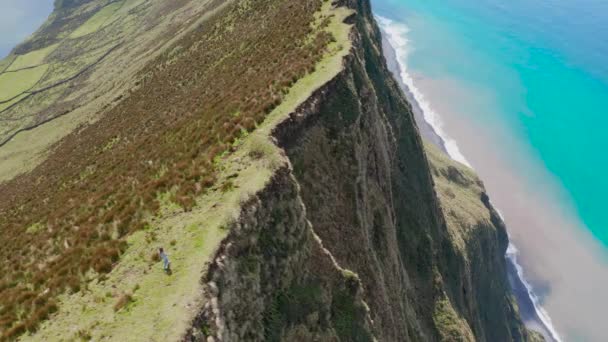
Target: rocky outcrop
(424,246)
(273,280)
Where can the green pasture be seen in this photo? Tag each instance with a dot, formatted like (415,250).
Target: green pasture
(15,83)
(31,59)
(97,21)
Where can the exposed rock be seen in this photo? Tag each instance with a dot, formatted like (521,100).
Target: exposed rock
(428,259)
(273,280)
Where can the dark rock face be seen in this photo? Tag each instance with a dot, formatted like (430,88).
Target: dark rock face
(273,280)
(370,196)
(361,171)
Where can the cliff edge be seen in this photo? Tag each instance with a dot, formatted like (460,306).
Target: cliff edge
(416,228)
(268,148)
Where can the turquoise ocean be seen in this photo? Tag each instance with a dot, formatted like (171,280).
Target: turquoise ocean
(539,69)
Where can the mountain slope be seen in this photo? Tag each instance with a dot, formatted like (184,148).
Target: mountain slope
(79,63)
(112,177)
(269,150)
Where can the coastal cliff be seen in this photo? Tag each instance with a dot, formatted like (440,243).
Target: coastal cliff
(315,212)
(416,228)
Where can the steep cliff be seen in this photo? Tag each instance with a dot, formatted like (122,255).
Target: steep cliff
(273,279)
(419,232)
(271,152)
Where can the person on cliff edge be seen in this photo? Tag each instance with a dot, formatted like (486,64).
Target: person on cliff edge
(165,259)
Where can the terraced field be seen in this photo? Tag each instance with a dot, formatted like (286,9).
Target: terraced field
(60,71)
(100,19)
(6,104)
(35,73)
(14,84)
(31,59)
(61,66)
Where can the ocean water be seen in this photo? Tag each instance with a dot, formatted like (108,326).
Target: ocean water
(546,63)
(525,82)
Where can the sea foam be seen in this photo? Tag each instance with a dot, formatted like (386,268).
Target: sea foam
(542,314)
(396,34)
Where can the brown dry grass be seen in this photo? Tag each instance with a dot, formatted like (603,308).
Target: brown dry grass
(164,137)
(123,301)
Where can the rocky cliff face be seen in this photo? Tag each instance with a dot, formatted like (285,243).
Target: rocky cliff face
(345,227)
(422,245)
(273,279)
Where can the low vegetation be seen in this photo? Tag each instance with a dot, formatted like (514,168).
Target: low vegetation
(6,62)
(48,75)
(15,83)
(104,181)
(123,301)
(31,59)
(97,21)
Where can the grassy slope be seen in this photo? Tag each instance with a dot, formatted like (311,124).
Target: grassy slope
(71,54)
(6,62)
(459,191)
(14,100)
(23,153)
(80,100)
(101,18)
(480,237)
(28,148)
(13,84)
(163,305)
(31,59)
(27,73)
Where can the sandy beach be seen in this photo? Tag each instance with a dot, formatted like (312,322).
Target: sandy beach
(560,260)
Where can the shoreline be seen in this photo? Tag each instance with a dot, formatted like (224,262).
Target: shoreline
(532,313)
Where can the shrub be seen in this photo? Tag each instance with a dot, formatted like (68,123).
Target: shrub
(102,265)
(227,186)
(155,257)
(15,331)
(123,301)
(74,284)
(84,335)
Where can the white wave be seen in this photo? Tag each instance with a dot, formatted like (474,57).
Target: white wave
(396,34)
(542,314)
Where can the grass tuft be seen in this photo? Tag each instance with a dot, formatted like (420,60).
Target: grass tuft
(123,301)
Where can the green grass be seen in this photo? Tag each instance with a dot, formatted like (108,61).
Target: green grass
(22,154)
(451,327)
(163,305)
(5,105)
(34,228)
(31,59)
(459,191)
(6,62)
(325,70)
(97,21)
(18,82)
(62,70)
